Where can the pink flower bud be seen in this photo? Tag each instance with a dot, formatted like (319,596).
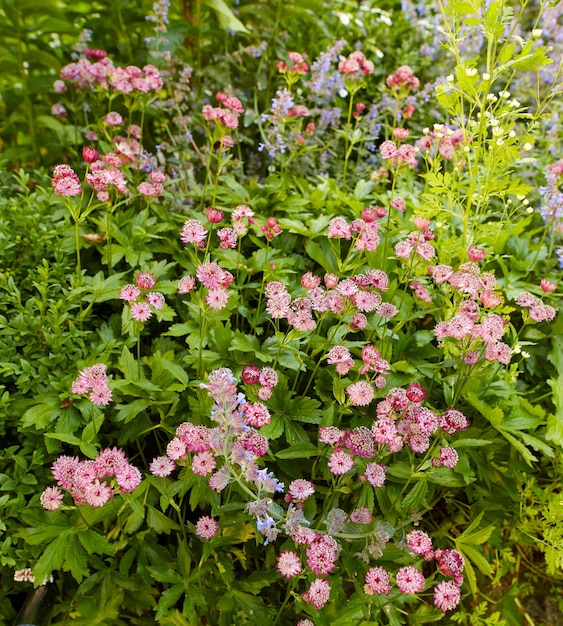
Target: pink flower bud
(369,214)
(475,254)
(90,154)
(214,215)
(547,286)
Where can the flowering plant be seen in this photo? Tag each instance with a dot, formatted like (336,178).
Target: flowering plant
(298,342)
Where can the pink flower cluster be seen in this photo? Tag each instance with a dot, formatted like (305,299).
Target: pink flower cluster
(416,243)
(103,74)
(265,377)
(364,232)
(447,594)
(65,182)
(104,175)
(142,300)
(444,139)
(356,65)
(154,188)
(299,65)
(227,115)
(235,440)
(470,325)
(401,420)
(398,155)
(356,296)
(94,381)
(538,311)
(402,81)
(92,482)
(215,279)
(206,527)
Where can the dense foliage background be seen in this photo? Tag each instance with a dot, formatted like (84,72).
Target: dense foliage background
(264,149)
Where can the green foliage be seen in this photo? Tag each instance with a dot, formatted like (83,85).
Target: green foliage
(488,487)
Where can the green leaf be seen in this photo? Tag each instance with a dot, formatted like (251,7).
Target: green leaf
(41,415)
(94,543)
(298,451)
(494,415)
(128,364)
(127,412)
(415,497)
(160,522)
(168,599)
(227,19)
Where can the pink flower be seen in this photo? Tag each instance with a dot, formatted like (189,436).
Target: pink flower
(113,119)
(322,555)
(129,293)
(51,499)
(140,311)
(206,527)
(376,474)
(447,595)
(340,462)
(217,299)
(97,494)
(361,516)
(419,542)
(449,457)
(475,254)
(377,582)
(547,286)
(186,284)
(193,231)
(162,466)
(361,393)
(128,478)
(409,579)
(301,489)
(318,593)
(203,463)
(289,564)
(256,414)
(144,280)
(155,299)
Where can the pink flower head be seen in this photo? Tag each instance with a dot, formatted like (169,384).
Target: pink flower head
(256,414)
(447,595)
(416,393)
(340,462)
(206,527)
(289,564)
(376,474)
(547,286)
(419,542)
(450,562)
(356,65)
(377,582)
(402,80)
(476,254)
(51,499)
(65,181)
(361,393)
(186,284)
(410,580)
(250,374)
(90,154)
(129,293)
(113,119)
(215,216)
(318,593)
(140,311)
(155,299)
(194,232)
(144,280)
(301,489)
(162,466)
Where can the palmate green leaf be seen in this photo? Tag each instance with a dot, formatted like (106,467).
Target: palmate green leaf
(494,415)
(128,364)
(52,558)
(168,599)
(127,412)
(94,543)
(41,415)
